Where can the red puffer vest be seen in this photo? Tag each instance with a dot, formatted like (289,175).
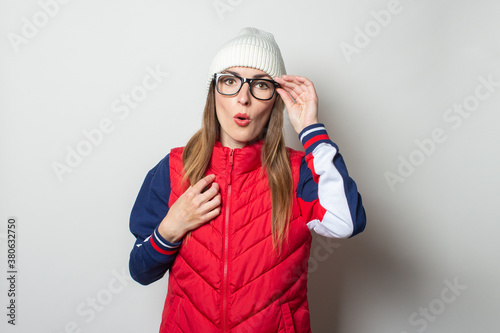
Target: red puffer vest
(226,276)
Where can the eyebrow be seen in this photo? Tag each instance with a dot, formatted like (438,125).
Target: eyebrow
(256,76)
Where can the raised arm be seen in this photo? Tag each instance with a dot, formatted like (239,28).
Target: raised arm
(328,197)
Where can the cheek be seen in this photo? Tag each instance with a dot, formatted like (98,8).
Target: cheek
(220,109)
(265,115)
(264,119)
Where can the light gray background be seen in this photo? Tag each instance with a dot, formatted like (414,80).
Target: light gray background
(439,226)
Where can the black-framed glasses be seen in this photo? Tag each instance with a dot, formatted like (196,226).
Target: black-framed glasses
(230,84)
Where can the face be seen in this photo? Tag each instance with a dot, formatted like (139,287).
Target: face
(242,117)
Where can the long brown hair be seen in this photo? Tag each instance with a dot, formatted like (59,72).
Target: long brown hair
(198,151)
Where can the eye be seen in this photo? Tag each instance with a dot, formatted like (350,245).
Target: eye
(262,85)
(229,81)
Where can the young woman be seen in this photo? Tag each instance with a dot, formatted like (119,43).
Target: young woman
(229,215)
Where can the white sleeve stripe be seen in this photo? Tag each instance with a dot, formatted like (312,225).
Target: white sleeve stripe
(163,244)
(321,229)
(313,224)
(321,128)
(337,221)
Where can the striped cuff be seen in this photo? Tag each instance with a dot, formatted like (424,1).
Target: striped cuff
(161,245)
(312,136)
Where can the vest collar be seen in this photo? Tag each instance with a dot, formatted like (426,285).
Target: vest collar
(245,159)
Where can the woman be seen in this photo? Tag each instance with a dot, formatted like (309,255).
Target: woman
(230,214)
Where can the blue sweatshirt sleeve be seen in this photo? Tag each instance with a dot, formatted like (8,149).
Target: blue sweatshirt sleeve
(328,196)
(151,255)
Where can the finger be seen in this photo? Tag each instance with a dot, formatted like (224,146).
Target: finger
(286,98)
(302,94)
(295,95)
(289,88)
(294,86)
(213,203)
(301,81)
(211,208)
(202,183)
(210,193)
(210,215)
(307,84)
(287,77)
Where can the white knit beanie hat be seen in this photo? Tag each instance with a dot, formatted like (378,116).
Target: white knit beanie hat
(251,48)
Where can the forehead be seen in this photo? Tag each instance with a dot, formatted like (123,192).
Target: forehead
(247,72)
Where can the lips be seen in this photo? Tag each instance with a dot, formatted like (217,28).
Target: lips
(242,119)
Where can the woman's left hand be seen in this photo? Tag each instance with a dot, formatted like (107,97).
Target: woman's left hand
(300,99)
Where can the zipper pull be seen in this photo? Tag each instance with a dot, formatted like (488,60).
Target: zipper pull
(230,167)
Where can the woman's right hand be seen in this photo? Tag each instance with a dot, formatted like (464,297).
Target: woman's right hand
(191,210)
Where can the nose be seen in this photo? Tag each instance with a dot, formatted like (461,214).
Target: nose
(244,94)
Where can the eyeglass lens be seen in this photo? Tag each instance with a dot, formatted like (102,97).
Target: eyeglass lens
(230,85)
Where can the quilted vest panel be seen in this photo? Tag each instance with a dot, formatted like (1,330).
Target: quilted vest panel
(226,276)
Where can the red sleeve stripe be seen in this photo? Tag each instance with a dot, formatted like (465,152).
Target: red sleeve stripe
(160,250)
(310,163)
(315,139)
(312,210)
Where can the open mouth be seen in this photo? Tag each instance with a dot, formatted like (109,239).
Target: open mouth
(241,119)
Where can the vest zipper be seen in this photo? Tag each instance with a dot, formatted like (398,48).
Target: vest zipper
(226,242)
